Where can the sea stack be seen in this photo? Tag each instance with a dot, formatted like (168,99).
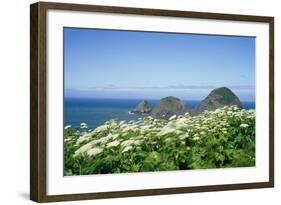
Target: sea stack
(168,107)
(218,98)
(142,108)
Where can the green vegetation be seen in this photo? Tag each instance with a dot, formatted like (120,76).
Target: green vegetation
(227,96)
(168,107)
(218,98)
(214,139)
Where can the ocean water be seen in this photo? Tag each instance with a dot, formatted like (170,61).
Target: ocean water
(95,112)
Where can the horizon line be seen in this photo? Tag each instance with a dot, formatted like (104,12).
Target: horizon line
(157,99)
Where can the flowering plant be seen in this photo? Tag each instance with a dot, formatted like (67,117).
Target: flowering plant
(214,139)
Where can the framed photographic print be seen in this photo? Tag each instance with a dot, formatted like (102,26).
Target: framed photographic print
(134,102)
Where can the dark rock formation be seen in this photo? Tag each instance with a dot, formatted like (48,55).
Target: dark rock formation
(167,107)
(218,98)
(143,107)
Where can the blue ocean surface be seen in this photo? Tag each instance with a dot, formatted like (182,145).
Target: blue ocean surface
(96,112)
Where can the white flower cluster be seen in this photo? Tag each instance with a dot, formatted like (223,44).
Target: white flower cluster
(124,137)
(83,125)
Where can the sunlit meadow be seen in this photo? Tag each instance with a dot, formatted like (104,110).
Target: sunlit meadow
(214,139)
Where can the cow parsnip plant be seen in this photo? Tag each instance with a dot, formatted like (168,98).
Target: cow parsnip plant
(215,139)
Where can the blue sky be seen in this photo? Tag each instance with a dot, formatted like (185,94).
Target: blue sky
(150,65)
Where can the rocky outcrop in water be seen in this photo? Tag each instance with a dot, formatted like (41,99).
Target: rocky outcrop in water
(167,107)
(218,98)
(142,108)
